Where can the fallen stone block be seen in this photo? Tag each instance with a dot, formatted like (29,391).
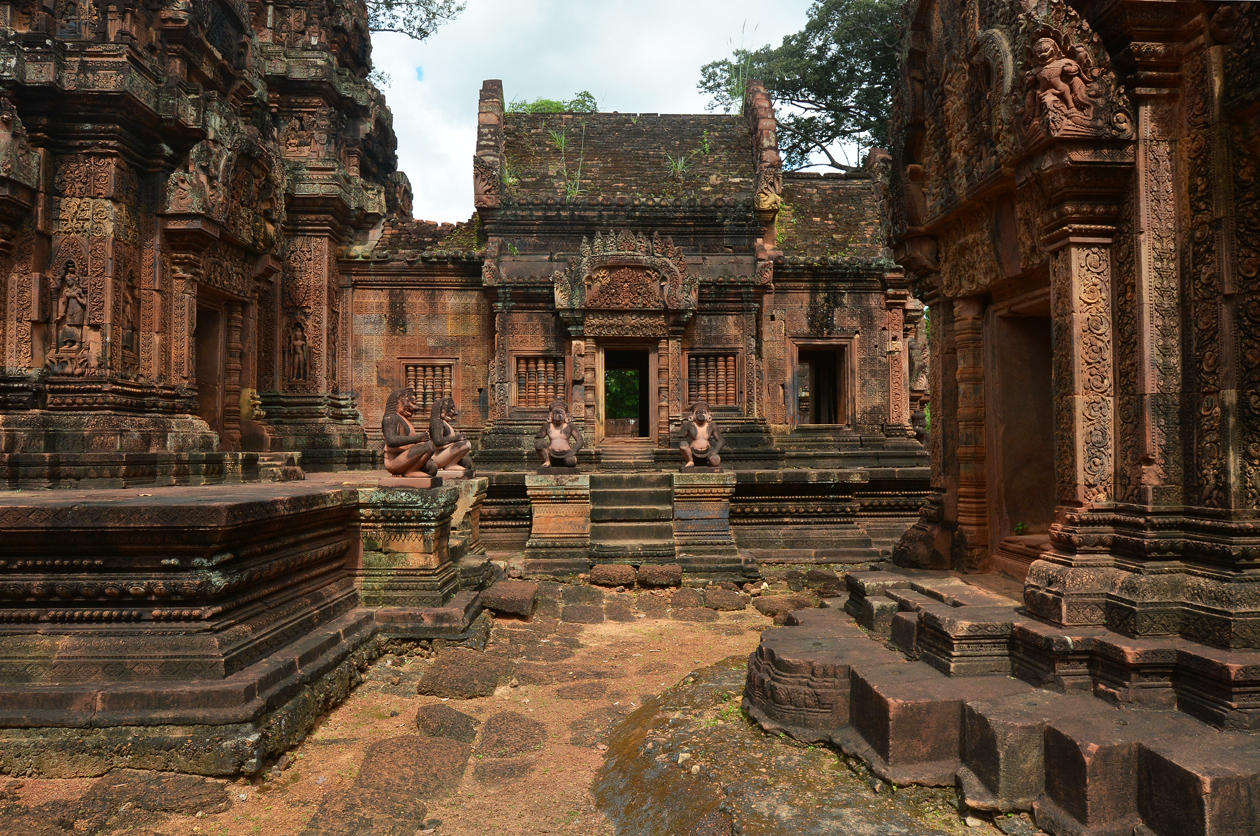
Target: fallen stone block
(776,605)
(463,674)
(612,574)
(440,720)
(686,597)
(717,598)
(509,597)
(660,575)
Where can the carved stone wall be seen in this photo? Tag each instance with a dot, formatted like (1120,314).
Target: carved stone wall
(1122,183)
(170,242)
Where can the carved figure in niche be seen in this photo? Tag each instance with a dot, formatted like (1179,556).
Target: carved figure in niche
(451,447)
(298,350)
(701,438)
(407,453)
(558,441)
(71,309)
(1060,80)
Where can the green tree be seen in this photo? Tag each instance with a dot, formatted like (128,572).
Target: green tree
(831,82)
(582,102)
(416,19)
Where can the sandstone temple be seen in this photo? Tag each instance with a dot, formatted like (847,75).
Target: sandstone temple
(1004,379)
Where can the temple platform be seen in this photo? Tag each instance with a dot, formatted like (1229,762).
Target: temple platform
(779,518)
(205,629)
(934,680)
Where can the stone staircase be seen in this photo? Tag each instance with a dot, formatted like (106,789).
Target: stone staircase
(632,517)
(627,455)
(932,680)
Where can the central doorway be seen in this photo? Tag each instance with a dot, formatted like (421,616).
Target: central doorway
(822,381)
(624,391)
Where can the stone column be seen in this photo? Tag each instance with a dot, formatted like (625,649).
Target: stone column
(404,536)
(973,511)
(1080,301)
(500,375)
(560,530)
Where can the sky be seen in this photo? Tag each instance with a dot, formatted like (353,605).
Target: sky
(635,56)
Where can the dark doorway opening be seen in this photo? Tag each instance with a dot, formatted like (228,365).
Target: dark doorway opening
(1020,418)
(821,393)
(210,361)
(626,407)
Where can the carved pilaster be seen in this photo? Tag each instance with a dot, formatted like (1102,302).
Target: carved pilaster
(895,348)
(662,391)
(230,438)
(184,270)
(973,504)
(1080,300)
(499,372)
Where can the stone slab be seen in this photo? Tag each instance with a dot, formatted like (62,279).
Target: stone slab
(511,597)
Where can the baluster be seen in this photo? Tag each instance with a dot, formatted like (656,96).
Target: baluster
(732,396)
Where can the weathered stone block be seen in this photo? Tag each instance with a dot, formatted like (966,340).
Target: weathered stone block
(511,597)
(613,574)
(659,575)
(1091,777)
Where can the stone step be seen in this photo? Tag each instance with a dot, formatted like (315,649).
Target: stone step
(633,552)
(820,557)
(1081,764)
(632,532)
(619,497)
(619,481)
(631,513)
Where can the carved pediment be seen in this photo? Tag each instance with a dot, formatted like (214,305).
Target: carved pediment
(237,184)
(626,272)
(1069,87)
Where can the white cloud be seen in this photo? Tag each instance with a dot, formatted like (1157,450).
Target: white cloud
(633,55)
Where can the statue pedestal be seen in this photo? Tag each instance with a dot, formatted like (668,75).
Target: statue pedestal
(560,531)
(404,538)
(702,523)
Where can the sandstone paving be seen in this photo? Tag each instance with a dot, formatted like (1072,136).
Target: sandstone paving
(450,740)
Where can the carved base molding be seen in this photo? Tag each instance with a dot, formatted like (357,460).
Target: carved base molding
(47,431)
(206,630)
(1185,572)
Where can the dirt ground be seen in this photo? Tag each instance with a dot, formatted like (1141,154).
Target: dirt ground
(511,740)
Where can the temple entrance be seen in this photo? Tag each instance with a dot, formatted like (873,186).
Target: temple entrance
(625,405)
(822,385)
(209,345)
(1020,427)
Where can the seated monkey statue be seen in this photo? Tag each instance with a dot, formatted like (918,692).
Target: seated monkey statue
(701,439)
(558,441)
(407,453)
(451,448)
